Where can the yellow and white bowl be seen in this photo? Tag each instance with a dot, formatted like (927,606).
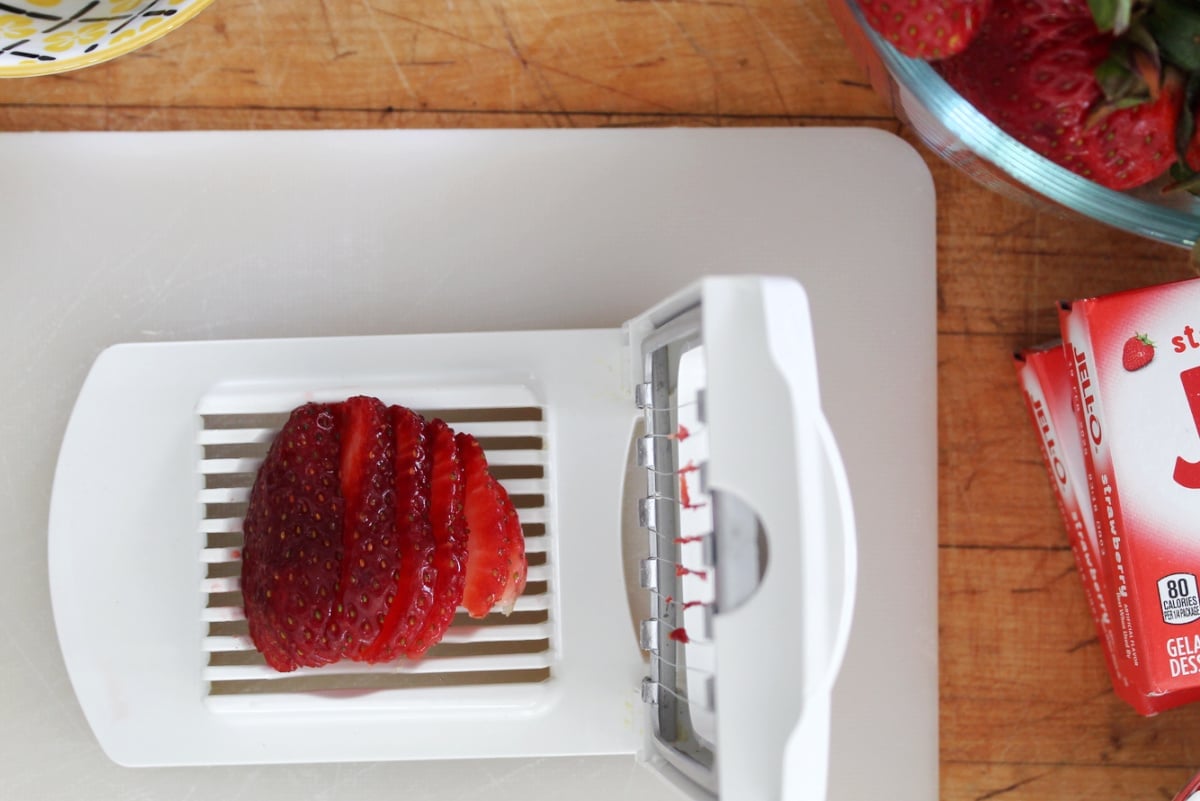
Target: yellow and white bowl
(41,37)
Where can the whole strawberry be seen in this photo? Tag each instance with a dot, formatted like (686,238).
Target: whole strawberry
(1035,70)
(926,29)
(1137,353)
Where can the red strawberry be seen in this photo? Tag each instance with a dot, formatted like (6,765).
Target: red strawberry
(370,548)
(1138,352)
(356,541)
(1133,146)
(927,29)
(409,608)
(1032,71)
(449,532)
(291,556)
(488,510)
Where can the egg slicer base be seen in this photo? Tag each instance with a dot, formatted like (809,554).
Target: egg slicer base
(705,640)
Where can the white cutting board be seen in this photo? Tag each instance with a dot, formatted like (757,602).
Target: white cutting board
(107,238)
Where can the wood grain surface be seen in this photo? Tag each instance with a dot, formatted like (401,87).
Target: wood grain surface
(1026,712)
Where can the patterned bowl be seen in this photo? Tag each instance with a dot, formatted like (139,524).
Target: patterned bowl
(40,37)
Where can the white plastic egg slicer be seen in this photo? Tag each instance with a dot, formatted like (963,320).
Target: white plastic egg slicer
(687,520)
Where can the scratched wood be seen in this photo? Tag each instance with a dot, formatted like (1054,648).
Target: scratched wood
(551,58)
(1026,713)
(983,782)
(127,118)
(1004,264)
(1024,682)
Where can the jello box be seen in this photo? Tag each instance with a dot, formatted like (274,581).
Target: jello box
(1135,363)
(1045,379)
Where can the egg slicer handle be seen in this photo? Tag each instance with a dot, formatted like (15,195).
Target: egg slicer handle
(777,653)
(806,757)
(781,510)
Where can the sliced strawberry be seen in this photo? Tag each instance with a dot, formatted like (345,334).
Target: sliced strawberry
(449,532)
(408,610)
(518,563)
(370,567)
(293,541)
(487,509)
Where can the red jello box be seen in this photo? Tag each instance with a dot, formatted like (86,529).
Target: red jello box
(1135,363)
(1045,378)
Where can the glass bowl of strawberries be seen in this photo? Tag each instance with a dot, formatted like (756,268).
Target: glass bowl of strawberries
(1088,105)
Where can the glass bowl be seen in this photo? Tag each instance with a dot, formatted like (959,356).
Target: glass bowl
(952,128)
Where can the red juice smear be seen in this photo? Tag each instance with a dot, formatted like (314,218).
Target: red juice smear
(679,635)
(685,540)
(680,570)
(688,468)
(682,433)
(690,604)
(685,497)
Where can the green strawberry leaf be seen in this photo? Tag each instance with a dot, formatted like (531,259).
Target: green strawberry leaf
(1132,72)
(1175,25)
(1183,179)
(1122,86)
(1111,15)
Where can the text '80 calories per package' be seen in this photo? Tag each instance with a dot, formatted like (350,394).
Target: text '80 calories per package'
(1134,358)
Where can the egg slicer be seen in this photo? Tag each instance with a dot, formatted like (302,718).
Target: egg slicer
(687,519)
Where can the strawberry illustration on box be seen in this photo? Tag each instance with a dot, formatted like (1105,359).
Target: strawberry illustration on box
(1138,352)
(1135,362)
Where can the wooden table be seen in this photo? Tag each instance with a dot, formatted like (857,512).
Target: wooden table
(1026,710)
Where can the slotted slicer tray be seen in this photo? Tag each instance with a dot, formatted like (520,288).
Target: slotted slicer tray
(237,424)
(164,441)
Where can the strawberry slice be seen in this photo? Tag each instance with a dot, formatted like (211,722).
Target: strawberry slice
(518,563)
(450,535)
(487,510)
(293,540)
(370,565)
(409,608)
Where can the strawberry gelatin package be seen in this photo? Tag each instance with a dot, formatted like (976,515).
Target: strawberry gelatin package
(1045,379)
(1046,385)
(1134,359)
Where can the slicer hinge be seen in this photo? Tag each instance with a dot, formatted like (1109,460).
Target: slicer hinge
(643,395)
